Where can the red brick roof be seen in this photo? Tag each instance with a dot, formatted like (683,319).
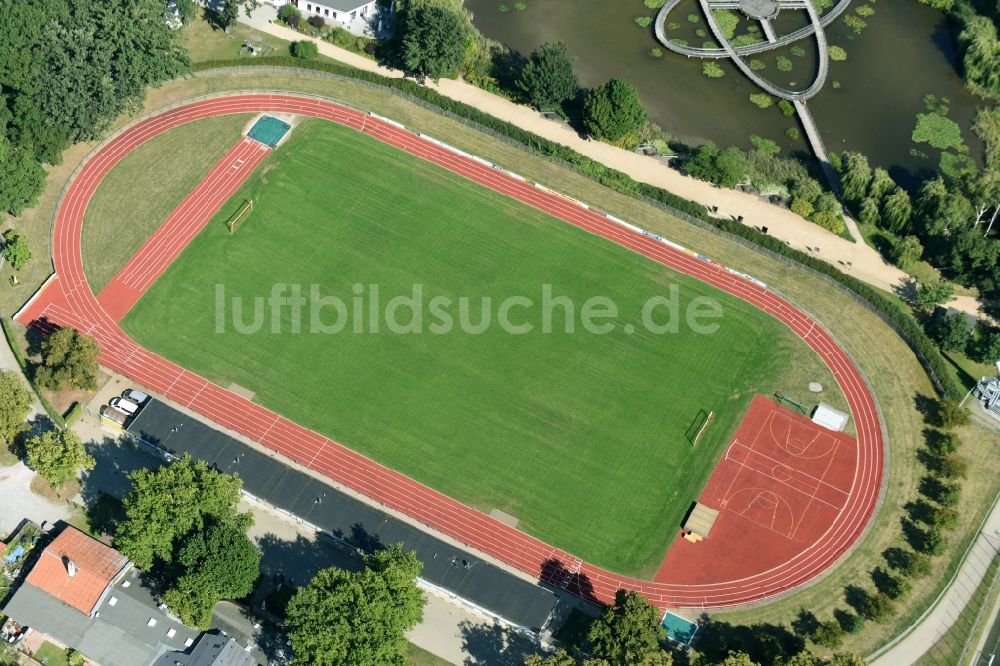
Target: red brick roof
(96,566)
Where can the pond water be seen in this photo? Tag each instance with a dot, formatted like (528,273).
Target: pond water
(869,103)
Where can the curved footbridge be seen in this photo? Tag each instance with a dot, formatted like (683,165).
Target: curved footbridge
(764,11)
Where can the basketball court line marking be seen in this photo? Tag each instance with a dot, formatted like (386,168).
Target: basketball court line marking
(761,492)
(818,480)
(743,466)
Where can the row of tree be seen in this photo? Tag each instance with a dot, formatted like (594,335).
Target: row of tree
(435,40)
(629,632)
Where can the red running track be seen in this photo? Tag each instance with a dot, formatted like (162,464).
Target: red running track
(183,224)
(68,300)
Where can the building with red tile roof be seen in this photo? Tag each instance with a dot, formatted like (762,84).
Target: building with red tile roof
(77,570)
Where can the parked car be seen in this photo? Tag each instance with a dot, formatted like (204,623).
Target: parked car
(123,405)
(138,397)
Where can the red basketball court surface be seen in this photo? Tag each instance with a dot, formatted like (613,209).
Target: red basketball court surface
(779,486)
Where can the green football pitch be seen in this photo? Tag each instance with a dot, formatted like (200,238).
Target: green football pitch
(580,436)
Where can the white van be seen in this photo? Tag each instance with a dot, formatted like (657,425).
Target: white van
(123,405)
(138,397)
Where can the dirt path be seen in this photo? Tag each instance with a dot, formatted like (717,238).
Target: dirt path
(857,259)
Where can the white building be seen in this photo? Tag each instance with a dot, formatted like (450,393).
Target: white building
(342,11)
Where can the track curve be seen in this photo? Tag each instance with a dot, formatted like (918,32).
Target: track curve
(76,305)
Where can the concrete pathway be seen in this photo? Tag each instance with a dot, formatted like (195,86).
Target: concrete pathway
(932,626)
(16,498)
(857,259)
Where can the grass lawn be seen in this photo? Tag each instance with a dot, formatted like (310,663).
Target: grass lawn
(50,655)
(205,42)
(164,170)
(416,656)
(580,436)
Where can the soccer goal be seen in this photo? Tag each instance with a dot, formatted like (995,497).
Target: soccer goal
(241,214)
(699,426)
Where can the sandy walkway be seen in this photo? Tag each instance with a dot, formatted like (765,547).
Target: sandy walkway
(856,259)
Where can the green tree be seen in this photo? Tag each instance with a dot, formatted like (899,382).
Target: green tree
(738,659)
(981,61)
(907,251)
(855,175)
(880,185)
(227,14)
(613,112)
(291,15)
(89,67)
(69,358)
(628,631)
(560,658)
(21,176)
(932,294)
(869,211)
(349,618)
(951,332)
(896,211)
(57,455)
(434,40)
(952,415)
(305,49)
(15,249)
(547,79)
(167,504)
(186,10)
(877,607)
(15,405)
(987,349)
(218,563)
(829,634)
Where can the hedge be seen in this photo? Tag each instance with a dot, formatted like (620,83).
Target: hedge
(25,370)
(901,320)
(73,413)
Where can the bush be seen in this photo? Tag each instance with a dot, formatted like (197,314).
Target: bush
(73,413)
(787,108)
(829,221)
(762,100)
(792,133)
(317,22)
(643,21)
(837,53)
(829,634)
(305,49)
(784,64)
(290,15)
(951,414)
(877,607)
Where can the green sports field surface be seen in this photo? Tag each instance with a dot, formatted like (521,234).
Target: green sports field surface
(581,436)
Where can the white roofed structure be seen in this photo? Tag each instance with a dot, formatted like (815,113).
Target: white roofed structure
(830,418)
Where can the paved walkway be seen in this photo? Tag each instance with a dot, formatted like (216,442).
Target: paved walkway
(16,498)
(948,608)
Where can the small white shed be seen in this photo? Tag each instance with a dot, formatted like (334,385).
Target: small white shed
(830,418)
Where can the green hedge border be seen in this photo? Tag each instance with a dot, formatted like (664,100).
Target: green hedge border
(53,414)
(902,321)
